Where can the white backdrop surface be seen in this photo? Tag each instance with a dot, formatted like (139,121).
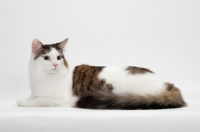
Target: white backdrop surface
(162,35)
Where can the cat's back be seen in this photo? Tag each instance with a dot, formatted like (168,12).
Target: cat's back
(131,79)
(124,79)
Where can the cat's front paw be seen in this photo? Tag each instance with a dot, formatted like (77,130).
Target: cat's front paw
(22,102)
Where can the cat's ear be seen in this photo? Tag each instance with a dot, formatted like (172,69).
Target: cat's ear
(62,44)
(36,46)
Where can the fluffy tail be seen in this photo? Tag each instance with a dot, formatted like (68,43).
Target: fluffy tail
(170,98)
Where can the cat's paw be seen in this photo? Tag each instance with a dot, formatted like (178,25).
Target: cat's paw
(22,102)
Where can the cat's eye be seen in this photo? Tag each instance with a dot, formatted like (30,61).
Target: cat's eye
(46,57)
(59,58)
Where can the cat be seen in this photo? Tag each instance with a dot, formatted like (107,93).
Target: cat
(54,83)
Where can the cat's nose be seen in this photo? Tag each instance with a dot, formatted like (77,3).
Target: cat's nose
(55,64)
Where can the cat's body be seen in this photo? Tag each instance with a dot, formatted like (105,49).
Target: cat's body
(53,83)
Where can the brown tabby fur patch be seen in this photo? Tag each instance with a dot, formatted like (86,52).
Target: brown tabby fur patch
(171,96)
(85,80)
(138,70)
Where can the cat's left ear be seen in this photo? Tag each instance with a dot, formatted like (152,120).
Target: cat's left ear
(62,44)
(36,46)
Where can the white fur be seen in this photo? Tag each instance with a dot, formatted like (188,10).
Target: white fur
(49,86)
(124,82)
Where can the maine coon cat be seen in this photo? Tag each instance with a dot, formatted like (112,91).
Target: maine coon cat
(54,83)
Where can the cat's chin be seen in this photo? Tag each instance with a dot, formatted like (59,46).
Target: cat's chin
(53,71)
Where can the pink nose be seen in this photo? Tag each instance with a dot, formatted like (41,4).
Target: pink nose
(55,64)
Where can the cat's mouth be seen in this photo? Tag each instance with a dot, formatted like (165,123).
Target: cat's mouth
(54,70)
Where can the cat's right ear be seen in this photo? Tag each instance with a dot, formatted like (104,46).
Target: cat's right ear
(62,44)
(36,46)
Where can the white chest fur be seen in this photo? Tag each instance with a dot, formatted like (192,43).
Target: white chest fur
(57,85)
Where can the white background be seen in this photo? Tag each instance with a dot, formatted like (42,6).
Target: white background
(163,36)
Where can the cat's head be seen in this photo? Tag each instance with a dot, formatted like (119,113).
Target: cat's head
(49,58)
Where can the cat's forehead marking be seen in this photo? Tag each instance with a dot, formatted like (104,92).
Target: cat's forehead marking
(45,49)
(53,52)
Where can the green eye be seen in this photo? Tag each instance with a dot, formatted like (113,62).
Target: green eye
(46,57)
(58,58)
